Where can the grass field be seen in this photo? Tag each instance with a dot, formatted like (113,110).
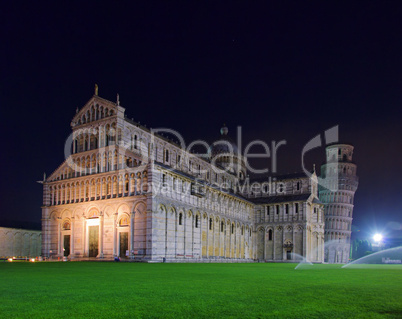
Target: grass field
(135,290)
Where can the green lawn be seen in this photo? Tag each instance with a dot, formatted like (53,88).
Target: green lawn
(135,290)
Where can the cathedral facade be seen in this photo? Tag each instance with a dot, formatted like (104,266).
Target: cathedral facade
(124,191)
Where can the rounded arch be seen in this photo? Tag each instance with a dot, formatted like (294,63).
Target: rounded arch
(172,210)
(108,210)
(140,208)
(123,208)
(260,228)
(161,208)
(54,215)
(92,212)
(123,220)
(66,213)
(66,224)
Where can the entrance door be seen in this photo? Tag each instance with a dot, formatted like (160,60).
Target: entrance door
(93,240)
(123,244)
(66,245)
(289,255)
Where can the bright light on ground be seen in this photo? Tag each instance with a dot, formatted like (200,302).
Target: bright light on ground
(377,238)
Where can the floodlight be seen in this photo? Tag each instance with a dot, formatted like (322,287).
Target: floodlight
(377,237)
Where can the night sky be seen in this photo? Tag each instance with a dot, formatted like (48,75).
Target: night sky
(282,71)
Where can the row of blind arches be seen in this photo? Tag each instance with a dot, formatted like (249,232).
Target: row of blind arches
(222,224)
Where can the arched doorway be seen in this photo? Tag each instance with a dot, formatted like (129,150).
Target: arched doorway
(93,233)
(66,237)
(123,236)
(93,237)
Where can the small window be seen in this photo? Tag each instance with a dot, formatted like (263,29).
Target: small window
(210,224)
(277,209)
(287,208)
(270,234)
(180,219)
(296,208)
(298,186)
(167,155)
(196,221)
(232,228)
(222,225)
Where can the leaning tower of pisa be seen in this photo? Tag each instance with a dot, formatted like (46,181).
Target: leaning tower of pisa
(337,193)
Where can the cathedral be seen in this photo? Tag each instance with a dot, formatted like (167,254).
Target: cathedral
(126,192)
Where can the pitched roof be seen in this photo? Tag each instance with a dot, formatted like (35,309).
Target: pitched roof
(280,199)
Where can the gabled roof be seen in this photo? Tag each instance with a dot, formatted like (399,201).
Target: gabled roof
(94,100)
(57,171)
(281,177)
(201,181)
(281,199)
(285,198)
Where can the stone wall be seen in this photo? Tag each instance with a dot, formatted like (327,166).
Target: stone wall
(16,242)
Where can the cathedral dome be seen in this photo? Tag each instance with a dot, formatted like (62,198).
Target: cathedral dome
(225,153)
(224,146)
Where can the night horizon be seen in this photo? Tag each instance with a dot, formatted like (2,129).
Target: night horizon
(280,72)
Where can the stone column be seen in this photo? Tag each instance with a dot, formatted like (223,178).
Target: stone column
(101,230)
(283,242)
(293,241)
(72,237)
(114,235)
(99,137)
(59,239)
(207,237)
(132,227)
(84,237)
(129,185)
